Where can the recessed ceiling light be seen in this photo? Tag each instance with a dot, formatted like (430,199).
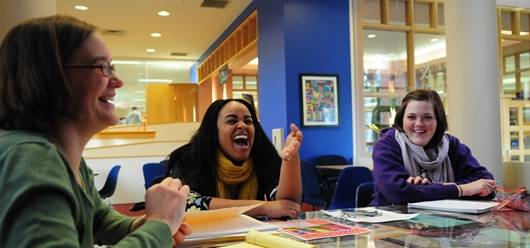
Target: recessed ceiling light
(434,40)
(156,35)
(150,50)
(81,7)
(371,36)
(163,13)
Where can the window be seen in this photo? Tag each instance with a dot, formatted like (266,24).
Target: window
(397,57)
(138,75)
(515,83)
(245,87)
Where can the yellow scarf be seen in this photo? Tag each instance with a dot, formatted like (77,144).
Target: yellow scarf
(229,174)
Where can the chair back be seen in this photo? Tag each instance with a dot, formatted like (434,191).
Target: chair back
(329,159)
(364,194)
(110,183)
(311,193)
(328,176)
(153,172)
(349,179)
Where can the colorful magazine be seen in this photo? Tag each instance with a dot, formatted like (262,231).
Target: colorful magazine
(318,228)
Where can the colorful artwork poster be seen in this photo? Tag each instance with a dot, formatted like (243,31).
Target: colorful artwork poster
(319,228)
(320,100)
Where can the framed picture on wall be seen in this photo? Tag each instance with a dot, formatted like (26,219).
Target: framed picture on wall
(320,100)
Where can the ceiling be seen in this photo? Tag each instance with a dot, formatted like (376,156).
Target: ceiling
(189,29)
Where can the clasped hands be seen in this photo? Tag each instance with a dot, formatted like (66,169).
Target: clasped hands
(482,187)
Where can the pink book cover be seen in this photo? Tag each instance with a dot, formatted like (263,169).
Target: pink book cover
(318,228)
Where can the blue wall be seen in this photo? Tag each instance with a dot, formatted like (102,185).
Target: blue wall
(304,36)
(272,88)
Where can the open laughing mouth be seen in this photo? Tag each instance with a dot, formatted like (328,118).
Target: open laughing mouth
(241,140)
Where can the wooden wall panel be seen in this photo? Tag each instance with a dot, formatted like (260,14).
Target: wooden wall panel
(186,101)
(204,98)
(168,103)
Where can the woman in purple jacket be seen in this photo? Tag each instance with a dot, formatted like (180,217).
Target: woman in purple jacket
(417,161)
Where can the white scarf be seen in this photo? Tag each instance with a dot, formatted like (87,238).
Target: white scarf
(437,166)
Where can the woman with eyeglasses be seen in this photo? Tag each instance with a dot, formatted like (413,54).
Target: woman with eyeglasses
(57,87)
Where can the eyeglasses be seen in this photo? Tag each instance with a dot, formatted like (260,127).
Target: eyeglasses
(107,69)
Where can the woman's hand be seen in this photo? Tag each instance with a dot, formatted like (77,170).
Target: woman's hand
(482,187)
(418,180)
(183,231)
(292,143)
(166,202)
(280,208)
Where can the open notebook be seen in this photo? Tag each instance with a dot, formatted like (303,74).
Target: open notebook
(223,222)
(459,206)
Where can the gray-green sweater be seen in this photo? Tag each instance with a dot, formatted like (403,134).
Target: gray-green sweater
(42,205)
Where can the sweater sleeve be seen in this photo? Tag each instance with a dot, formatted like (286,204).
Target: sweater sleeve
(44,206)
(390,177)
(466,167)
(38,206)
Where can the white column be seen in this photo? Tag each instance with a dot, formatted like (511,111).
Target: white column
(13,12)
(473,79)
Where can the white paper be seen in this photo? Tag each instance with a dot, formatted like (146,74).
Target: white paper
(458,206)
(383,216)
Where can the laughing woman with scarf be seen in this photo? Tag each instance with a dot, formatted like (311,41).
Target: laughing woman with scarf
(417,161)
(231,162)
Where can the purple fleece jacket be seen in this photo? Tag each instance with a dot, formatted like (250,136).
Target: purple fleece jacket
(390,174)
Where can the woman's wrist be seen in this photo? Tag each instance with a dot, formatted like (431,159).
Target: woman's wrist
(460,190)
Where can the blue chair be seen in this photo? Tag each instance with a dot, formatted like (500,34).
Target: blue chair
(311,193)
(364,194)
(110,183)
(153,172)
(349,179)
(328,177)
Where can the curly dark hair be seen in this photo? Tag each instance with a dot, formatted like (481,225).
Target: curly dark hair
(204,146)
(439,112)
(34,93)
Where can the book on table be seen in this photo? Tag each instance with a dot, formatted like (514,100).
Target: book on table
(255,239)
(223,222)
(459,206)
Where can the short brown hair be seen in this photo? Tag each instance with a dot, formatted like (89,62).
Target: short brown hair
(437,105)
(34,94)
